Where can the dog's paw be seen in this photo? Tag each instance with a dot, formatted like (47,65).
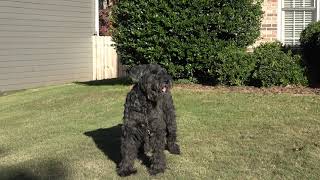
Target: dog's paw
(174,148)
(126,172)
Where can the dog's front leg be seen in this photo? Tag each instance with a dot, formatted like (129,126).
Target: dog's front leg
(129,152)
(158,158)
(171,125)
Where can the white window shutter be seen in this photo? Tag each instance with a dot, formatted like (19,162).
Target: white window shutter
(299,23)
(310,3)
(298,3)
(297,15)
(288,27)
(287,4)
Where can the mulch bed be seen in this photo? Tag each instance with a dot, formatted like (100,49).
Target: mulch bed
(296,90)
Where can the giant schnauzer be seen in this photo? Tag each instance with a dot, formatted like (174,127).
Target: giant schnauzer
(149,122)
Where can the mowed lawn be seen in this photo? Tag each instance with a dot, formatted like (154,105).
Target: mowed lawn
(71,132)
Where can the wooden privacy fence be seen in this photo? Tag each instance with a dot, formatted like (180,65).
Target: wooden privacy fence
(106,63)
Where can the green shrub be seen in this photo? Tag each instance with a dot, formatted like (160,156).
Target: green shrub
(186,81)
(274,67)
(182,35)
(233,66)
(310,43)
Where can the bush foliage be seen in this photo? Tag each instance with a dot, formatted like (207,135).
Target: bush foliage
(274,67)
(270,64)
(233,66)
(105,11)
(203,40)
(310,43)
(183,36)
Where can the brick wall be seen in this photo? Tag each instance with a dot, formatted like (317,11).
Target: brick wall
(269,22)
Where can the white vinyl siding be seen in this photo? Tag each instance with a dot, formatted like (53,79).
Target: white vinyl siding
(296,15)
(45,42)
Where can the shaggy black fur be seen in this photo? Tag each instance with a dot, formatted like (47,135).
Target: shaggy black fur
(149,121)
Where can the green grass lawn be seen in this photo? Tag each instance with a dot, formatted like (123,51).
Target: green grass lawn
(71,132)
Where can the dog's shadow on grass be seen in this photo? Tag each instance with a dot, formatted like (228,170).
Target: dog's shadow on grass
(108,140)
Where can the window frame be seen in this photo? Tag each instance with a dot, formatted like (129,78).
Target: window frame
(281,16)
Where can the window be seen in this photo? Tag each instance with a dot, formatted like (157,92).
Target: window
(296,15)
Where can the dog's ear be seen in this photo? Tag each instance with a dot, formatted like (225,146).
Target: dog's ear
(145,82)
(136,72)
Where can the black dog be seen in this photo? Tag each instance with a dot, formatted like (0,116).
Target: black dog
(149,120)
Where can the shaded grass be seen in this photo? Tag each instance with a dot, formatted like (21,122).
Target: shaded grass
(70,132)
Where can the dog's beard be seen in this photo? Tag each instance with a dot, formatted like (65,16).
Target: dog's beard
(164,89)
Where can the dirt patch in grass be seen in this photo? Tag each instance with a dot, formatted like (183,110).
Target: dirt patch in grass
(3,152)
(296,90)
(5,93)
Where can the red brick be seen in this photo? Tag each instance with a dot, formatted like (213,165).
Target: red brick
(266,25)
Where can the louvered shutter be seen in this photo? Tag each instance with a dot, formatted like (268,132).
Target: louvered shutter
(297,15)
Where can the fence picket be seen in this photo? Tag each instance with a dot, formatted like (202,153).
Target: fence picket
(106,63)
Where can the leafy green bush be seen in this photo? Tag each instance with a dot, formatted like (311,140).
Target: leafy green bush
(310,43)
(275,67)
(183,35)
(233,66)
(186,81)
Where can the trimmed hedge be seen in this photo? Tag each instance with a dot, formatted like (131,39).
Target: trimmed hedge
(275,67)
(270,64)
(310,43)
(233,66)
(181,35)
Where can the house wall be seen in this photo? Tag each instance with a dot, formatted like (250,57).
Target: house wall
(269,25)
(45,42)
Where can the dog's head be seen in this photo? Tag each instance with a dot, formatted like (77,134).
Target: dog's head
(155,82)
(136,72)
